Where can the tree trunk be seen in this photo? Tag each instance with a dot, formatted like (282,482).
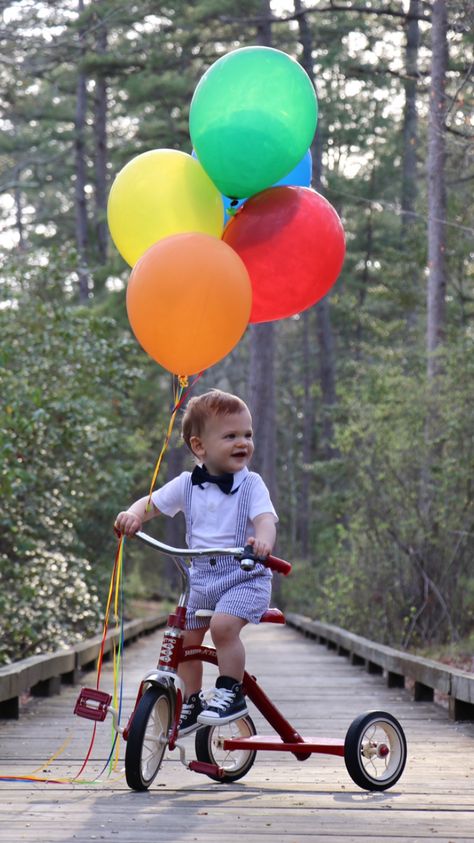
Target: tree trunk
(19,208)
(309,427)
(436,300)
(430,568)
(80,170)
(100,140)
(410,121)
(409,154)
(262,402)
(365,278)
(327,369)
(262,355)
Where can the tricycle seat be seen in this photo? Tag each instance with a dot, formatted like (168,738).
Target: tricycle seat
(272,616)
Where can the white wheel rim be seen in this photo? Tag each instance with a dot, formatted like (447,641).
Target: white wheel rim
(155,738)
(230,760)
(380,751)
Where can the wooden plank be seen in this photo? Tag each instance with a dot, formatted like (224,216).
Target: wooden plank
(280,798)
(44,674)
(428,675)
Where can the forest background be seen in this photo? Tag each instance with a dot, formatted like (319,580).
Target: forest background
(362,404)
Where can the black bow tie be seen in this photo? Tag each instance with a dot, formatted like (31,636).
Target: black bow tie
(201,475)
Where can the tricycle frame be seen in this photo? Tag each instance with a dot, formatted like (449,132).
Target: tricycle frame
(374,738)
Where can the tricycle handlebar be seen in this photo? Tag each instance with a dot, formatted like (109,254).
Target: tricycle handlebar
(281,566)
(240,553)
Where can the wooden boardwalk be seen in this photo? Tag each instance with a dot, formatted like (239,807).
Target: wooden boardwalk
(280,799)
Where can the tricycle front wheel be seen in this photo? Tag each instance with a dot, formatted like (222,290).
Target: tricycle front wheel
(375,750)
(148,737)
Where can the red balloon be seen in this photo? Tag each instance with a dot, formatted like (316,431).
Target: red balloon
(292,242)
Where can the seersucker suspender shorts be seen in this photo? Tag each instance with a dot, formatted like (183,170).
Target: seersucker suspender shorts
(224,587)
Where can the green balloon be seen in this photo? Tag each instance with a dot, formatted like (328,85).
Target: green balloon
(252,118)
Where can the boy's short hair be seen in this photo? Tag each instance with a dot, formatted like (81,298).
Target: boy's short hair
(201,407)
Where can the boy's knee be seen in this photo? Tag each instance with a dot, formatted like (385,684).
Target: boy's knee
(225,626)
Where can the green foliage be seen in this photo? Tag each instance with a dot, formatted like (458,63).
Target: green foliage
(47,601)
(72,448)
(400,568)
(388,512)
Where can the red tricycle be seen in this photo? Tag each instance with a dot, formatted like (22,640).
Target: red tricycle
(374,748)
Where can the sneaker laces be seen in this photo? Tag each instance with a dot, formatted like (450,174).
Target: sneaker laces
(222,698)
(187,707)
(186,710)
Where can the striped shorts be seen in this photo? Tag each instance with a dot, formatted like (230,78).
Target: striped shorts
(225,588)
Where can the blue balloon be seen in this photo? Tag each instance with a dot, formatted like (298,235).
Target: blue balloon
(231,206)
(300,176)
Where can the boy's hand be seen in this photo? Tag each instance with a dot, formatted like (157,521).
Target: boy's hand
(265,534)
(260,548)
(127,524)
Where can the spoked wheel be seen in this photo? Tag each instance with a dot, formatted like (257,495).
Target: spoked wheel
(148,737)
(375,750)
(210,748)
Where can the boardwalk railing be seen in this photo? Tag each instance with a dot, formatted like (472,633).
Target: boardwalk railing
(42,676)
(425,676)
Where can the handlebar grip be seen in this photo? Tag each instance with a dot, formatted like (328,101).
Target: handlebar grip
(248,560)
(281,566)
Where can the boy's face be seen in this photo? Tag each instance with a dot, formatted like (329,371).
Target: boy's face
(226,444)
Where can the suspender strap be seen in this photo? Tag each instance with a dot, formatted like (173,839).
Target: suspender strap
(244,492)
(188,494)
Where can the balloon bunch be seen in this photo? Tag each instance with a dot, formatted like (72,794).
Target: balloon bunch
(232,233)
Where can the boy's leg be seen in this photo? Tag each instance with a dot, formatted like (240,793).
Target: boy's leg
(225,631)
(191,672)
(228,702)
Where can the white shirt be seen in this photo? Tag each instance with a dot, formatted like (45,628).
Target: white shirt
(213,513)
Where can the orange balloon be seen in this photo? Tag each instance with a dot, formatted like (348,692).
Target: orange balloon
(188,301)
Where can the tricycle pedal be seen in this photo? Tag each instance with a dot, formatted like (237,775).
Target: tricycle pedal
(207,769)
(92,704)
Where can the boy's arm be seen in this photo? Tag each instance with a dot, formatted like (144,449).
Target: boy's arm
(130,521)
(265,534)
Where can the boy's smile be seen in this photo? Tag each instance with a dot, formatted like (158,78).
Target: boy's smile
(226,444)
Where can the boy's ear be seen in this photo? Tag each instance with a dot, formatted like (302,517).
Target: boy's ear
(196,446)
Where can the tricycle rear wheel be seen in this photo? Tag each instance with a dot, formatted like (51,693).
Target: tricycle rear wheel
(375,750)
(235,762)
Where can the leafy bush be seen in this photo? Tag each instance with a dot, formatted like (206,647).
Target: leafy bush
(68,377)
(400,570)
(46,603)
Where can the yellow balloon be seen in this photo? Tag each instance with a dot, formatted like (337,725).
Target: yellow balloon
(160,193)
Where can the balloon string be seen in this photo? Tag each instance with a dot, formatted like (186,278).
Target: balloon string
(52,757)
(115,597)
(179,397)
